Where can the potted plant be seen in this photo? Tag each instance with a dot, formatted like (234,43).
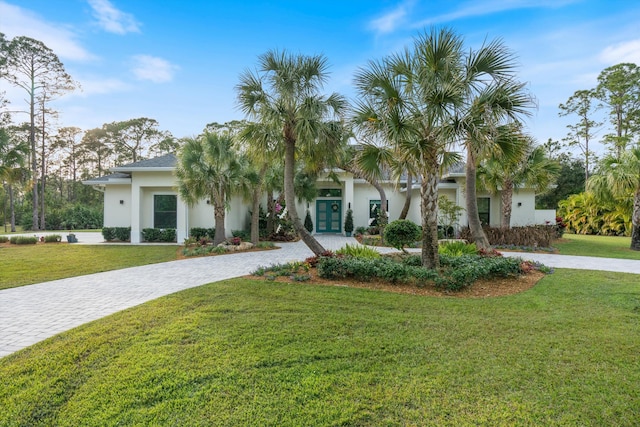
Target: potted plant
(348,223)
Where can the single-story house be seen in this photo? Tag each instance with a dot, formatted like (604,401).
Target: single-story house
(144,195)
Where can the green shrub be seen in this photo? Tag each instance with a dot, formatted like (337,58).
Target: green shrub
(23,240)
(460,272)
(52,238)
(198,232)
(348,222)
(159,234)
(401,233)
(308,223)
(457,248)
(108,233)
(244,235)
(358,251)
(4,239)
(122,234)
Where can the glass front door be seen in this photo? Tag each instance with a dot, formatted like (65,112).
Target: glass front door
(329,216)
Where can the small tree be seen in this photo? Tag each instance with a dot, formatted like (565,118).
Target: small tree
(348,222)
(308,224)
(401,233)
(448,215)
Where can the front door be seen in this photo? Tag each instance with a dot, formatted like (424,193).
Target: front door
(329,216)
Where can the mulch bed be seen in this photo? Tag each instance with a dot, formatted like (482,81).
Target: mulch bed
(495,287)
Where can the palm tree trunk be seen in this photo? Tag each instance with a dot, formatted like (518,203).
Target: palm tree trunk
(219,216)
(12,209)
(475,226)
(407,199)
(271,212)
(635,222)
(290,199)
(255,209)
(429,209)
(383,219)
(507,202)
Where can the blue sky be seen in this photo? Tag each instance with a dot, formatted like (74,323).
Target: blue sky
(178,61)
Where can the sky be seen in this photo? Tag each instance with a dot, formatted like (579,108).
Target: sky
(178,61)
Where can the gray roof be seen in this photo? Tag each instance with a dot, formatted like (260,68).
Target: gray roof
(166,161)
(107,178)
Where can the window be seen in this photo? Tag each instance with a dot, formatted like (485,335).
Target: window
(330,192)
(374,211)
(164,211)
(484,205)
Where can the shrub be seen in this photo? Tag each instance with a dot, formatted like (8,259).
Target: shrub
(159,234)
(122,234)
(348,222)
(108,233)
(461,271)
(308,223)
(198,233)
(244,235)
(4,239)
(358,251)
(52,238)
(401,233)
(532,235)
(23,240)
(457,248)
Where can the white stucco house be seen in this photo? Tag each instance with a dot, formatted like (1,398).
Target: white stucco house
(144,195)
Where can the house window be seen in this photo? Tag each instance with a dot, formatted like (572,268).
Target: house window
(484,209)
(374,211)
(330,192)
(165,207)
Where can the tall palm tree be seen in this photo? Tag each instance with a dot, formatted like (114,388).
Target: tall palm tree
(619,178)
(532,169)
(410,99)
(285,94)
(262,151)
(12,167)
(209,167)
(493,98)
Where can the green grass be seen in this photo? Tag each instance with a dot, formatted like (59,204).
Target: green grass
(598,246)
(25,265)
(240,352)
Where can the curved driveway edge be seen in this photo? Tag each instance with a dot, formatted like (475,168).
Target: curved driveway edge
(30,314)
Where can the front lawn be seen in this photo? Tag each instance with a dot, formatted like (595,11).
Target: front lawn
(245,352)
(598,246)
(29,264)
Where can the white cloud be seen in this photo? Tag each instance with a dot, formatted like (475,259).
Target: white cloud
(17,21)
(100,86)
(157,70)
(623,52)
(389,22)
(112,19)
(481,8)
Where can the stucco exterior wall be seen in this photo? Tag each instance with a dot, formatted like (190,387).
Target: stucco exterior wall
(117,214)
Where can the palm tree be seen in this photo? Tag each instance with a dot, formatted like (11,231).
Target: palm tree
(12,171)
(410,100)
(209,167)
(492,99)
(619,178)
(533,169)
(261,149)
(284,94)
